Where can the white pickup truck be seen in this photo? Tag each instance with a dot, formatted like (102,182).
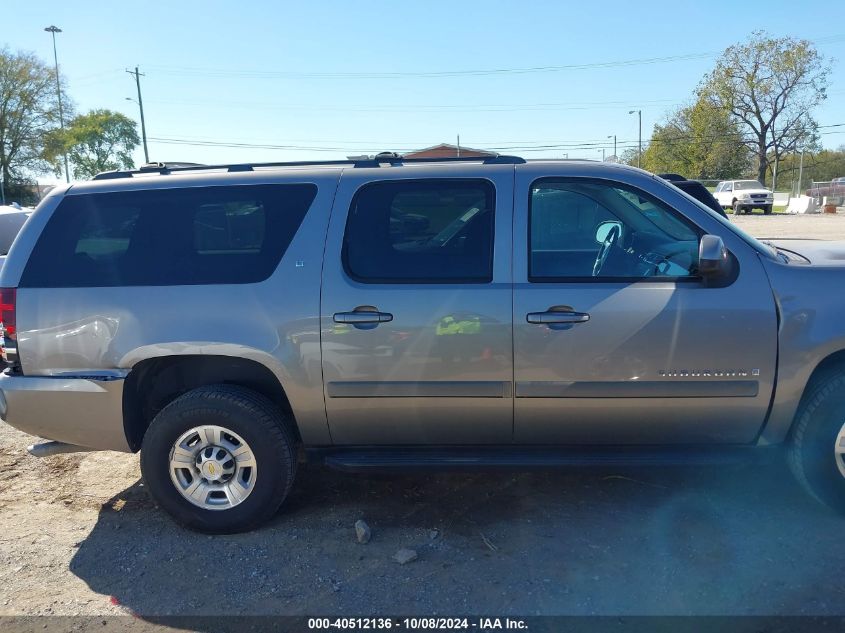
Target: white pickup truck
(744,195)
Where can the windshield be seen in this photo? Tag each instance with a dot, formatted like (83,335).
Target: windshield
(747,184)
(762,247)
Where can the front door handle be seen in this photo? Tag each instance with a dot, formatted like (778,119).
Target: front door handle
(557,315)
(363,315)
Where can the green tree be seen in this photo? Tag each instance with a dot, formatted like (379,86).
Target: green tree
(820,166)
(697,141)
(770,87)
(98,141)
(629,156)
(29,110)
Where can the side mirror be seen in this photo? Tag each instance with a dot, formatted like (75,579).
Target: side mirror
(603,230)
(713,259)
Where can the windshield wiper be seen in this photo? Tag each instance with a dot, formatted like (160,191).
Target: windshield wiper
(779,252)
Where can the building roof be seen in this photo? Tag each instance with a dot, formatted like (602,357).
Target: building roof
(446,150)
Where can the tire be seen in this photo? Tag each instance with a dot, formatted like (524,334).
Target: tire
(229,417)
(767,209)
(737,208)
(819,423)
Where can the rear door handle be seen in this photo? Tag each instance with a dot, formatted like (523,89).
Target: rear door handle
(362,315)
(557,315)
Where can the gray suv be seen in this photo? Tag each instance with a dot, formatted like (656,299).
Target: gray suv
(232,321)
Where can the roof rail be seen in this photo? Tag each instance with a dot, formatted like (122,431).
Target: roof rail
(384,158)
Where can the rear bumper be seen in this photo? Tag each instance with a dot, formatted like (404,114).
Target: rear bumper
(83,411)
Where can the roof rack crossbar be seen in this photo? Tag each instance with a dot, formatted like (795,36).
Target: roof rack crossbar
(377,161)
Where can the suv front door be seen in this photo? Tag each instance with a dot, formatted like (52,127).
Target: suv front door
(616,338)
(416,327)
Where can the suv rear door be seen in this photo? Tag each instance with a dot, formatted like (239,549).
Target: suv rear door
(628,357)
(416,328)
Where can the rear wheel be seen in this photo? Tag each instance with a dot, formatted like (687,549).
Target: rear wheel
(219,459)
(817,451)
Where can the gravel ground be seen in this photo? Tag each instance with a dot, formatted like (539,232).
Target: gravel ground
(822,226)
(78,536)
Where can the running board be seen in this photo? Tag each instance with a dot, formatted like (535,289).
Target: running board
(460,458)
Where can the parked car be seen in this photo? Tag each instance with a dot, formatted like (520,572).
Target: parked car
(11,221)
(744,195)
(517,313)
(834,188)
(696,190)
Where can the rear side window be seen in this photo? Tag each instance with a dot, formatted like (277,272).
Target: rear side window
(421,231)
(168,237)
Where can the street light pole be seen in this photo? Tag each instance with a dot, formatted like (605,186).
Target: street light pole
(640,142)
(54,29)
(613,136)
(138,76)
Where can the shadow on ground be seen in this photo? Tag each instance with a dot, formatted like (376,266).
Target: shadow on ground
(691,540)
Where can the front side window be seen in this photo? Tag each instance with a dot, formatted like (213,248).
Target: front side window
(167,237)
(421,231)
(589,230)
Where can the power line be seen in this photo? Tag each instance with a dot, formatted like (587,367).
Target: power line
(494,107)
(270,74)
(344,146)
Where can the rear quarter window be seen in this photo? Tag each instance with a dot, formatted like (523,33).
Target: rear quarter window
(168,237)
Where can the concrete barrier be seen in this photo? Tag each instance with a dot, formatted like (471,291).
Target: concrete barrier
(781,198)
(802,204)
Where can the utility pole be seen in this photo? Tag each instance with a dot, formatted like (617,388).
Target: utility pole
(800,171)
(138,76)
(459,146)
(640,142)
(613,136)
(54,29)
(775,176)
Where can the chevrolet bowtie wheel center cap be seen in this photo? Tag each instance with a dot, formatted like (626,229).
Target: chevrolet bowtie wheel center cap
(213,467)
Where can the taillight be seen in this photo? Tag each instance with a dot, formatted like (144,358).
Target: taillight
(8,324)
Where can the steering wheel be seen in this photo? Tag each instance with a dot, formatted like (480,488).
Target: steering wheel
(604,251)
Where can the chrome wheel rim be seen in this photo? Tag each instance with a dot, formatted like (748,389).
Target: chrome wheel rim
(213,467)
(839,450)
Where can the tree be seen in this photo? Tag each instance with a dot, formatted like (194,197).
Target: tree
(629,156)
(29,110)
(697,141)
(98,141)
(770,86)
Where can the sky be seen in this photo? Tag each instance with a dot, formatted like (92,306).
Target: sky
(259,80)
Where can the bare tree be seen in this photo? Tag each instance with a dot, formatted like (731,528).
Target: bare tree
(770,85)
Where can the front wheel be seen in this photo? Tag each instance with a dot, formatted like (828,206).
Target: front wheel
(817,450)
(219,459)
(737,208)
(767,209)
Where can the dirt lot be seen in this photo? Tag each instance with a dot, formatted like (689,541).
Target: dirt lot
(821,226)
(78,536)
